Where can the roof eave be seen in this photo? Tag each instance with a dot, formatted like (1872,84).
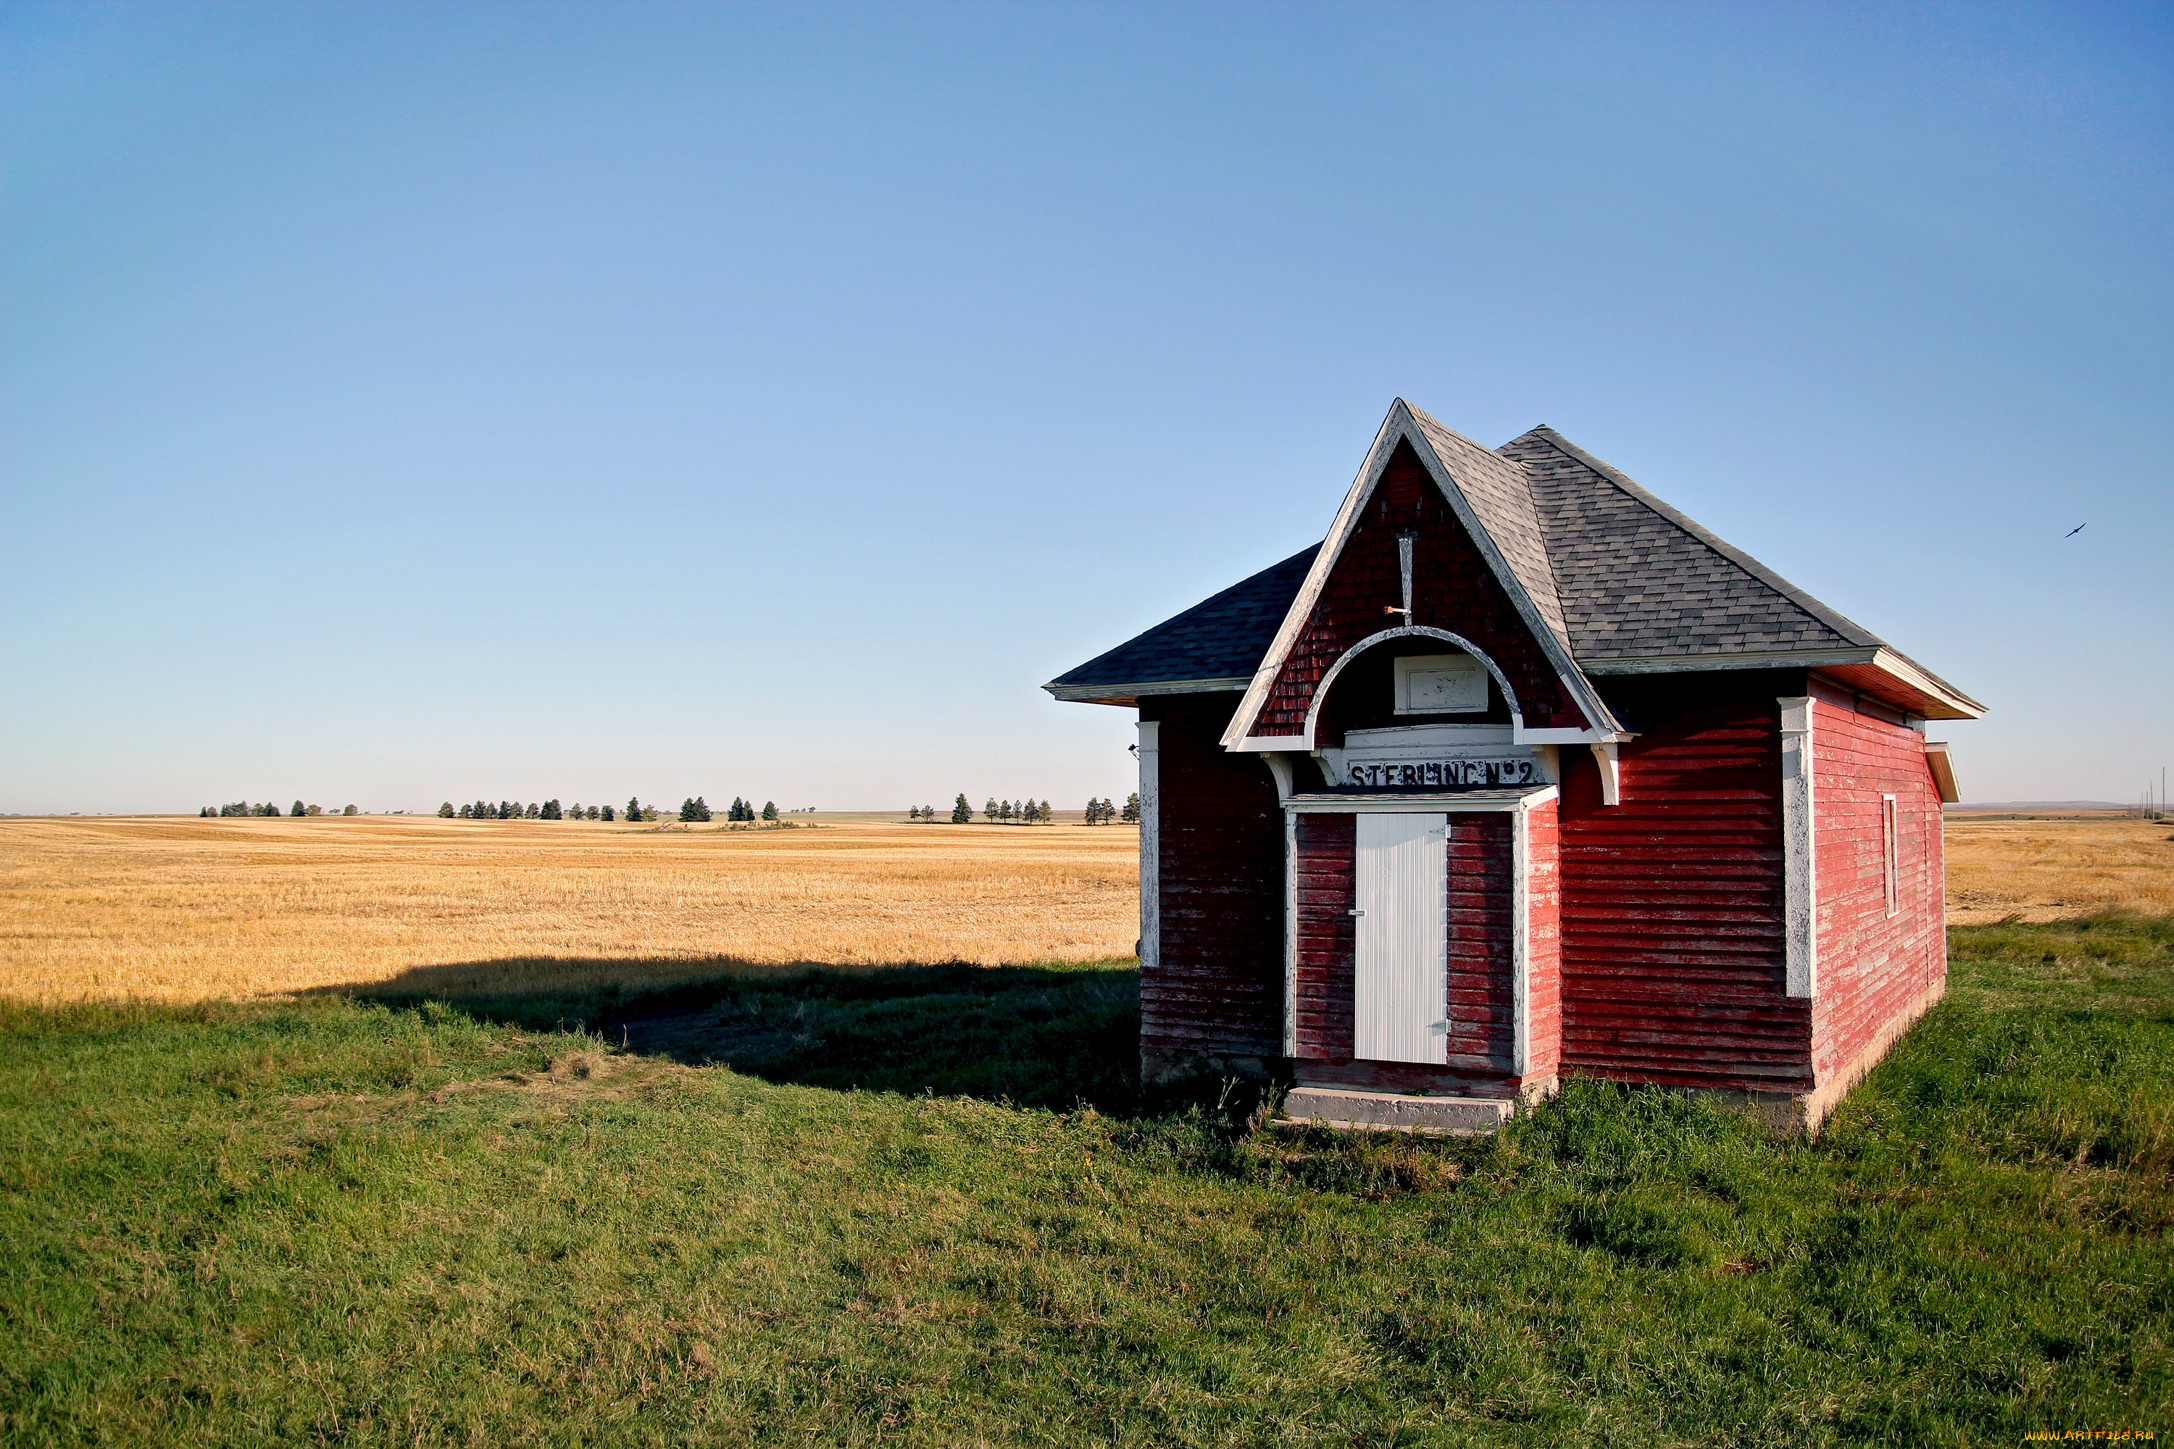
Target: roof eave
(1128,694)
(1875,670)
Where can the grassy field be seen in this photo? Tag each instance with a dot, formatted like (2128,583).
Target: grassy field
(189,909)
(528,1133)
(924,1207)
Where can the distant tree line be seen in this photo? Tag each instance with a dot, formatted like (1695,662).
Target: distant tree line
(1029,811)
(694,809)
(243,807)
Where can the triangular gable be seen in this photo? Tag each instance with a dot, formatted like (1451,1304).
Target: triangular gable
(1489,498)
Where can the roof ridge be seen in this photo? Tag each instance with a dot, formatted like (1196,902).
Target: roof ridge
(1832,618)
(1552,612)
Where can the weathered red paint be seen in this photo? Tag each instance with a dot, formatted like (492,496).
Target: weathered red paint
(1454,590)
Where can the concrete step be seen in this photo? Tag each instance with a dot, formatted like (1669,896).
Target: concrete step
(1393,1112)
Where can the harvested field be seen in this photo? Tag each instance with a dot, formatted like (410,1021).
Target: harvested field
(2046,870)
(183,909)
(188,909)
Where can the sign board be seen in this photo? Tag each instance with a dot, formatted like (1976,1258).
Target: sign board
(1440,684)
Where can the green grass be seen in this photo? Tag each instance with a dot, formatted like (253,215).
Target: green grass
(930,1211)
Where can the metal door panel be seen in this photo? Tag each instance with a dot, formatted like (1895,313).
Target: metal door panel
(1400,964)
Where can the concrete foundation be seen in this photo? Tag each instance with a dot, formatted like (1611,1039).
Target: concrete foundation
(1394,1112)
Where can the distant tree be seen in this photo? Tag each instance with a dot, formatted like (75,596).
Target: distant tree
(314,810)
(607,810)
(686,811)
(445,811)
(701,809)
(988,810)
(600,810)
(349,810)
(649,812)
(1131,813)
(550,811)
(770,810)
(961,812)
(1030,812)
(1049,813)
(1093,813)
(914,813)
(634,807)
(466,811)
(203,812)
(299,809)
(267,809)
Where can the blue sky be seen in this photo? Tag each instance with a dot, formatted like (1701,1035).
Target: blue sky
(402,404)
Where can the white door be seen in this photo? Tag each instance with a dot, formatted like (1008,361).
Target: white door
(1400,968)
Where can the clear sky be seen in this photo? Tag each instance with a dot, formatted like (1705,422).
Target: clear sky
(408,404)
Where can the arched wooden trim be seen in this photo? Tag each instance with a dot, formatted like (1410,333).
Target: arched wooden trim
(1321,690)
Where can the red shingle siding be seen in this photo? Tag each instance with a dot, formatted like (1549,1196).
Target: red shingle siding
(1672,947)
(1544,941)
(1219,984)
(1325,858)
(1453,589)
(1873,968)
(1482,1021)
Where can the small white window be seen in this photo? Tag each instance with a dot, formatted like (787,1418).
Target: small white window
(1440,684)
(1887,853)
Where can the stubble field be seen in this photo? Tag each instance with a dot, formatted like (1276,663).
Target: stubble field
(187,909)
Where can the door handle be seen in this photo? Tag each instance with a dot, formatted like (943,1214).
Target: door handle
(1354,913)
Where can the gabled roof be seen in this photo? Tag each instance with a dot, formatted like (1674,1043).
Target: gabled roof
(1617,581)
(1640,579)
(1216,644)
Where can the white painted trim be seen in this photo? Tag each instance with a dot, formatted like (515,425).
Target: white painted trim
(1279,767)
(1800,875)
(1290,934)
(1401,426)
(1611,777)
(1271,744)
(1891,855)
(1409,631)
(1521,943)
(1150,846)
(1421,804)
(1118,693)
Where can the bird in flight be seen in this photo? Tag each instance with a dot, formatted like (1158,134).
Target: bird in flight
(2076,530)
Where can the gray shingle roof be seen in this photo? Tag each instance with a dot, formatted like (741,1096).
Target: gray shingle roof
(1617,574)
(1640,580)
(1501,497)
(1219,638)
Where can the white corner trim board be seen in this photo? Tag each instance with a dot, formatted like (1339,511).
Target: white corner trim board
(1521,942)
(1799,864)
(1290,934)
(1150,846)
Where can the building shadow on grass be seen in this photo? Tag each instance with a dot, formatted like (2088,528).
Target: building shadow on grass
(1038,1036)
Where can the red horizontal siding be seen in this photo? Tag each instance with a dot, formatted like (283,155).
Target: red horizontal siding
(1673,957)
(1873,968)
(1218,987)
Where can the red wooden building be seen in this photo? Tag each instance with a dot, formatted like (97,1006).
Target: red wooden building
(1522,773)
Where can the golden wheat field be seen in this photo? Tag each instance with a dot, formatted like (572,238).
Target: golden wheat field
(186,908)
(2045,870)
(180,909)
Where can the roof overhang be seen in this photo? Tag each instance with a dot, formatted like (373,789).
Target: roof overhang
(1873,670)
(1130,694)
